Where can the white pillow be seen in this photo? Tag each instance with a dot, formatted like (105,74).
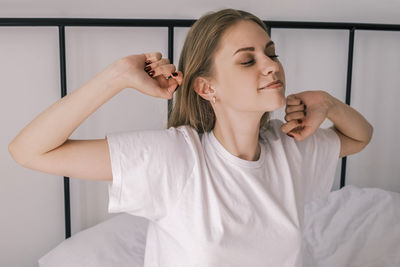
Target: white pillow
(119,241)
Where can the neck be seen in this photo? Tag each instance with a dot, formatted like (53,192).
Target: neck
(240,140)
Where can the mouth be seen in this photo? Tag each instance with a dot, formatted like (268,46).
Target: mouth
(272,85)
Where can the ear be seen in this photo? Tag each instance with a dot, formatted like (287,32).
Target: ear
(202,88)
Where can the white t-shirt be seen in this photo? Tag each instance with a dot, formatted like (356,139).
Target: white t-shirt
(208,207)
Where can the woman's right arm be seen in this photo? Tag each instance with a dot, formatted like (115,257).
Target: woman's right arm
(43,144)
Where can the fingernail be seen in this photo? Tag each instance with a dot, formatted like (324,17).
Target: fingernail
(175,74)
(147,68)
(151,73)
(147,62)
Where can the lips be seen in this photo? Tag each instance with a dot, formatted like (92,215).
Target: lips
(271,83)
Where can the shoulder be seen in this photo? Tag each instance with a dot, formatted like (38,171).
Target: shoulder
(182,132)
(184,140)
(185,133)
(186,130)
(173,139)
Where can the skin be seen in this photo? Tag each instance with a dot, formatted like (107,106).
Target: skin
(239,104)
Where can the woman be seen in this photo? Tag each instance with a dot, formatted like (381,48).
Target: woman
(223,185)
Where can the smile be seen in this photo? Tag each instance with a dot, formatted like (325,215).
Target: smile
(274,86)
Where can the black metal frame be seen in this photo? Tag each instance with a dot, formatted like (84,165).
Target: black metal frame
(61,23)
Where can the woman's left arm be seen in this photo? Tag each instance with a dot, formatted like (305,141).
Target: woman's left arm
(354,131)
(307,110)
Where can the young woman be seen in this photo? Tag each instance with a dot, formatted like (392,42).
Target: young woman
(224,185)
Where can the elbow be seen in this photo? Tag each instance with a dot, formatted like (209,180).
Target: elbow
(13,151)
(370,134)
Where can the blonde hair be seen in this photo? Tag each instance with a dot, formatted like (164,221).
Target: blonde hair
(196,60)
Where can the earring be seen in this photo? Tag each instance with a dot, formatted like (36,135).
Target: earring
(213,98)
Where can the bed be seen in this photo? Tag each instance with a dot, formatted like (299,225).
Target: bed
(348,227)
(352,226)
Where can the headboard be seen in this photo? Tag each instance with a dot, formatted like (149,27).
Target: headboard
(171,24)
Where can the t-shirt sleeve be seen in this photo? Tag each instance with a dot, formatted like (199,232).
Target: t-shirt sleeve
(150,169)
(320,156)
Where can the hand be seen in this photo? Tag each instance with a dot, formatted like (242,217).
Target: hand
(305,112)
(157,82)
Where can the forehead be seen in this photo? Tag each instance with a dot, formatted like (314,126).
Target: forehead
(243,33)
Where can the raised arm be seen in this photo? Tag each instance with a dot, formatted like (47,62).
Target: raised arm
(52,127)
(307,110)
(354,131)
(44,145)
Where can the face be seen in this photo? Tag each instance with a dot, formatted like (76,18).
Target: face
(240,75)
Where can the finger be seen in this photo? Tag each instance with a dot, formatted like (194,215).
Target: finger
(172,87)
(158,63)
(153,56)
(290,109)
(165,70)
(294,116)
(178,76)
(176,81)
(172,83)
(150,68)
(165,87)
(289,126)
(302,133)
(293,100)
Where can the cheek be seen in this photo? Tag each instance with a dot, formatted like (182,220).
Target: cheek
(241,95)
(242,88)
(282,71)
(239,86)
(244,79)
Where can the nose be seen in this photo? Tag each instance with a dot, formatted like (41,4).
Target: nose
(269,65)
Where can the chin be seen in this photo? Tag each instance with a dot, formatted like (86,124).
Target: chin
(280,102)
(272,107)
(272,102)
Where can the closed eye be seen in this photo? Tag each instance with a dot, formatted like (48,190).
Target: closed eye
(252,61)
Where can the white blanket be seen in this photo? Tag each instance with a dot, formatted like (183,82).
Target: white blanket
(351,227)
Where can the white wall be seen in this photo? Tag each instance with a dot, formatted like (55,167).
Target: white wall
(31,202)
(366,11)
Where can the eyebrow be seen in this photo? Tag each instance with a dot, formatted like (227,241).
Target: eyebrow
(252,48)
